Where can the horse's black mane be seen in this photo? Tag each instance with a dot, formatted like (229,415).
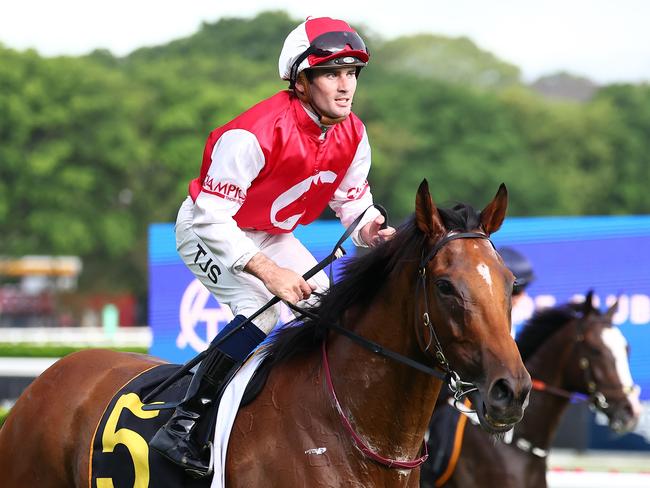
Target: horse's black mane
(362,278)
(543,324)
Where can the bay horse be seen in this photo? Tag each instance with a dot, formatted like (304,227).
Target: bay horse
(571,351)
(434,298)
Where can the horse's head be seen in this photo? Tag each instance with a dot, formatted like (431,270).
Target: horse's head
(468,300)
(601,369)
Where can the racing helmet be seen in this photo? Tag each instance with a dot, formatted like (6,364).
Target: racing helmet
(519,265)
(321,42)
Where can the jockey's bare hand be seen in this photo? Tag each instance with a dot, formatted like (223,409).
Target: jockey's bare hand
(281,282)
(372,233)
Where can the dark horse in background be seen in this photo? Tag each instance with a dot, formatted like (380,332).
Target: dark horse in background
(437,293)
(567,350)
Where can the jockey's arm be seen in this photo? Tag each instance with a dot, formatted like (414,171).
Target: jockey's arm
(238,159)
(282,282)
(353,196)
(372,234)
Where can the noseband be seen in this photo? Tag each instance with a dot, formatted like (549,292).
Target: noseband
(459,388)
(597,398)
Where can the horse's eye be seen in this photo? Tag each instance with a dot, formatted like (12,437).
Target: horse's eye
(444,287)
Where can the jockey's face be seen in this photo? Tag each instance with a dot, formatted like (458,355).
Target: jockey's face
(332,90)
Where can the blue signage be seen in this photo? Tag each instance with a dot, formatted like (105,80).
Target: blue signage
(570,255)
(183,315)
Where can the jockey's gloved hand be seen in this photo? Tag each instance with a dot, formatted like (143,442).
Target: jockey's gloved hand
(372,233)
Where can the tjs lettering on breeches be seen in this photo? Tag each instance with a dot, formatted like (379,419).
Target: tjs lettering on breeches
(243,293)
(211,270)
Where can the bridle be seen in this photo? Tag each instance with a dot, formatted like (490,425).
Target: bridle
(595,397)
(459,388)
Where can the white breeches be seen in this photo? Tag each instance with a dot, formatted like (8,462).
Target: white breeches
(243,292)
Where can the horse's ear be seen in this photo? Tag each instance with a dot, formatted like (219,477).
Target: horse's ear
(588,305)
(426,213)
(493,214)
(609,315)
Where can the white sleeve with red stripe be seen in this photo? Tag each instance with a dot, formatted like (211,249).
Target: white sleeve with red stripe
(353,194)
(237,159)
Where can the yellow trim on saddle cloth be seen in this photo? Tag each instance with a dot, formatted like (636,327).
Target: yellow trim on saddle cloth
(458,444)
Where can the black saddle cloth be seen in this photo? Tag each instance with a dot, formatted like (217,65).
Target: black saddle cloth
(120,451)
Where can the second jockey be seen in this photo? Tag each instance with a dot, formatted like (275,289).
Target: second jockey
(277,165)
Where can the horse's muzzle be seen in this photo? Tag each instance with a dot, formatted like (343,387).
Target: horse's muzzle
(502,407)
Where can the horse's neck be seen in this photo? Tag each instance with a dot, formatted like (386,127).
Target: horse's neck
(390,404)
(545,410)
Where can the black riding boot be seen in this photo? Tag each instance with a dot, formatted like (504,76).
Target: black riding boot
(176,440)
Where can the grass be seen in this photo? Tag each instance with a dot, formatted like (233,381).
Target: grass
(9,350)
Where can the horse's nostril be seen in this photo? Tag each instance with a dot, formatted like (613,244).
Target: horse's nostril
(501,393)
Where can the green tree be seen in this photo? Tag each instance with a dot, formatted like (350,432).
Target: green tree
(95,148)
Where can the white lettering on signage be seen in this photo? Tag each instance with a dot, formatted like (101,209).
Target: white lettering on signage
(634,309)
(640,309)
(544,301)
(193,311)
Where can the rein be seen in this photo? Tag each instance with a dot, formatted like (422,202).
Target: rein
(459,388)
(449,376)
(358,441)
(337,252)
(540,385)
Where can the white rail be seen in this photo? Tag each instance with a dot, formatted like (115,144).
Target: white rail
(78,336)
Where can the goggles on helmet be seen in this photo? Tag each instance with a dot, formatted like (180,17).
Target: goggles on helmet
(326,45)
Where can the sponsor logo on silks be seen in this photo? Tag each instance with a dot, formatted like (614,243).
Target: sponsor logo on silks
(293,194)
(358,191)
(193,311)
(223,189)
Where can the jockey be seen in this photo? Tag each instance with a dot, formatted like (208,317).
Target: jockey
(277,165)
(519,265)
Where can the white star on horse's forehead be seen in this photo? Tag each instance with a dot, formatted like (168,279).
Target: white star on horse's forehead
(484,270)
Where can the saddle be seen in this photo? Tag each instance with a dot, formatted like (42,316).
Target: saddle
(444,443)
(120,456)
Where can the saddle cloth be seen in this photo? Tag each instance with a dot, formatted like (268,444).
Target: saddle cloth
(120,456)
